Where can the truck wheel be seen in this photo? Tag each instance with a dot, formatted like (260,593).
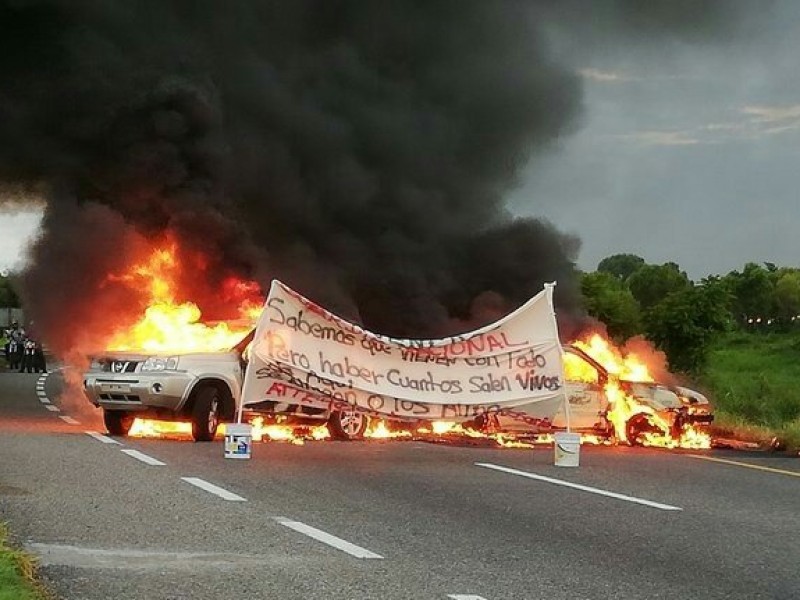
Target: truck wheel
(117,422)
(205,414)
(636,426)
(348,425)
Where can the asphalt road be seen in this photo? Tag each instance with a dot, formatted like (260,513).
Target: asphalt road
(385,520)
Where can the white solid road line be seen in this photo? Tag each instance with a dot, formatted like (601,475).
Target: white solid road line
(327,538)
(143,457)
(52,408)
(465,597)
(69,420)
(214,489)
(101,438)
(583,488)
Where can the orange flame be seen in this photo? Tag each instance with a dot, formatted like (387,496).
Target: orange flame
(378,430)
(277,432)
(626,367)
(172,325)
(148,428)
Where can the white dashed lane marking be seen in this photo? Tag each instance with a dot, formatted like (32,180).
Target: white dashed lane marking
(69,420)
(465,597)
(52,408)
(577,486)
(214,489)
(327,538)
(143,457)
(41,394)
(101,438)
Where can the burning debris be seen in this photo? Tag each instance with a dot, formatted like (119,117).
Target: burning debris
(171,326)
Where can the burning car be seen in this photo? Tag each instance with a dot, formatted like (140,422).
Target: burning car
(636,409)
(605,405)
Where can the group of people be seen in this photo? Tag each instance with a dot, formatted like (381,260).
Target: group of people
(23,353)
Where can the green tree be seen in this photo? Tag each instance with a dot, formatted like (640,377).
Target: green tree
(787,295)
(685,322)
(621,265)
(753,292)
(610,301)
(650,284)
(8,297)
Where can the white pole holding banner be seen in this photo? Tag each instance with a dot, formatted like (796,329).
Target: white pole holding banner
(242,394)
(550,286)
(247,352)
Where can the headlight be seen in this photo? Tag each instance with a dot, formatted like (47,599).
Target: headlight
(160,364)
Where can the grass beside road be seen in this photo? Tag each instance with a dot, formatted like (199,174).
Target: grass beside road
(754,379)
(17,573)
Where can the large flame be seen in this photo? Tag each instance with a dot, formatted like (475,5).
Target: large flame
(626,367)
(171,323)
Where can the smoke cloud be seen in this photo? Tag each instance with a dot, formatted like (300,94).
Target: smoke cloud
(359,150)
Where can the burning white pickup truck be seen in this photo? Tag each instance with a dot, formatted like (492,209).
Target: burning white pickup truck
(203,388)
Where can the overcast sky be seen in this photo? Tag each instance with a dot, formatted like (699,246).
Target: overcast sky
(685,152)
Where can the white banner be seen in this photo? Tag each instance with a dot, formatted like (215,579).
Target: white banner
(303,355)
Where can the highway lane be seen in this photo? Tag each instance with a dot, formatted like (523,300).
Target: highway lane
(443,525)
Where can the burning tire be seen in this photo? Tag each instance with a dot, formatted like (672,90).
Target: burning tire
(348,425)
(117,422)
(637,426)
(205,414)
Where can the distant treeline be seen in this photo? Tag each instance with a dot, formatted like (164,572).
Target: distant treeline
(681,316)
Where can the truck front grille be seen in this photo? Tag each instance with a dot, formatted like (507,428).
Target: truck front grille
(121,397)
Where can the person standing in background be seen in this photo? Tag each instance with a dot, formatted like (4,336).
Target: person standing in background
(39,361)
(6,341)
(29,350)
(13,355)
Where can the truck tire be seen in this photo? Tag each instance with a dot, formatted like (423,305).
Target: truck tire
(205,414)
(348,425)
(117,422)
(636,426)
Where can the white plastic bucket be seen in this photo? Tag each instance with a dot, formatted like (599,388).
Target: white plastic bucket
(238,440)
(567,449)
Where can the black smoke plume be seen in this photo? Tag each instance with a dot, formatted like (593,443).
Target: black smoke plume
(359,150)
